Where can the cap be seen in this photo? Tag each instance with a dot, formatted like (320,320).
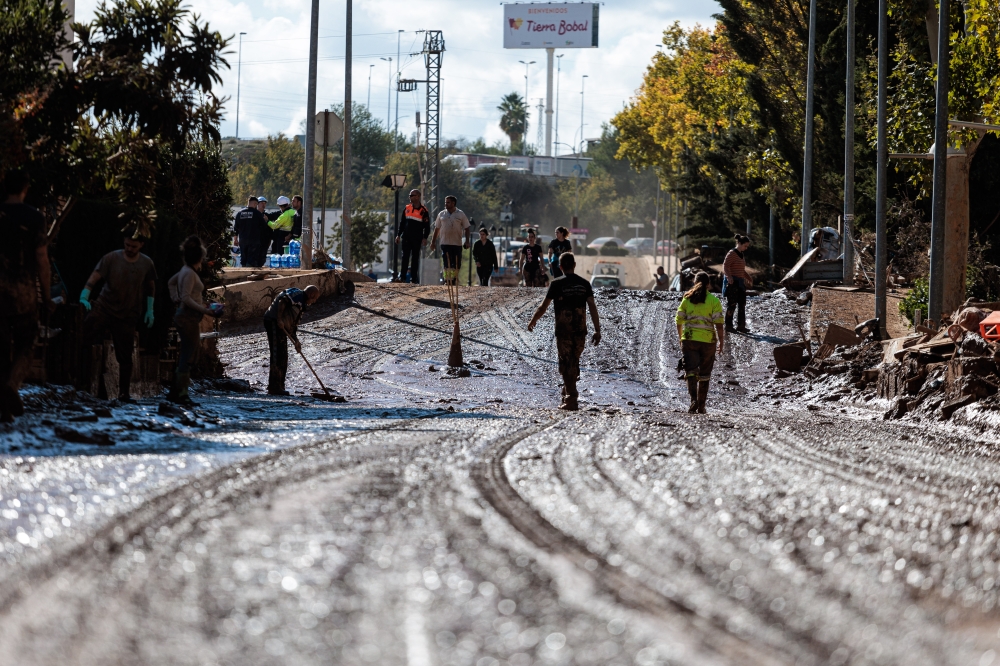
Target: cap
(412,192)
(283,201)
(262,198)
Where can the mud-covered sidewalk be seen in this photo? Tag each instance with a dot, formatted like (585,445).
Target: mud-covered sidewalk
(436,519)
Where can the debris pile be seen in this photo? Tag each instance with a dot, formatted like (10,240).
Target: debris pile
(929,374)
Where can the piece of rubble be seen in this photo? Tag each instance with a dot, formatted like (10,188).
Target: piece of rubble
(75,436)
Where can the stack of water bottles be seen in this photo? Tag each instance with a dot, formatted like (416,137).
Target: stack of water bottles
(292,258)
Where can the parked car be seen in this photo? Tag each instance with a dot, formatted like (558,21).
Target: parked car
(638,247)
(599,243)
(608,274)
(666,248)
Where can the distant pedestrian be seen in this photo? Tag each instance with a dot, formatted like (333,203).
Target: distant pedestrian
(262,207)
(735,282)
(573,296)
(186,290)
(282,226)
(530,262)
(252,234)
(557,246)
(484,252)
(281,321)
(454,229)
(24,262)
(699,327)
(297,220)
(414,228)
(662,280)
(129,282)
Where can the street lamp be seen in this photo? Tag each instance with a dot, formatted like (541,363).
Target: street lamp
(395,182)
(239,71)
(395,128)
(388,96)
(526,64)
(368,104)
(583,81)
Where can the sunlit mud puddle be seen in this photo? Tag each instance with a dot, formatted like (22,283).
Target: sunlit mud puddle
(51,489)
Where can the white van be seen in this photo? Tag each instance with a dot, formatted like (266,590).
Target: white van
(608,274)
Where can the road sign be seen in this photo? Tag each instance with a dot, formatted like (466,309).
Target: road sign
(578,236)
(580,231)
(507,217)
(638,225)
(551,25)
(336,128)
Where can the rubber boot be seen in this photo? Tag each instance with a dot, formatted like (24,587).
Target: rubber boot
(729,320)
(702,396)
(570,402)
(179,394)
(693,392)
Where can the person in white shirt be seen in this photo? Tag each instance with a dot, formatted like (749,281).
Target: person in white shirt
(454,228)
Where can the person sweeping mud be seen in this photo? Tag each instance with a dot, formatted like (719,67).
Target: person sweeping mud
(281,321)
(573,296)
(699,327)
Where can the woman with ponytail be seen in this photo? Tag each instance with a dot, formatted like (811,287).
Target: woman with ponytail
(735,281)
(700,328)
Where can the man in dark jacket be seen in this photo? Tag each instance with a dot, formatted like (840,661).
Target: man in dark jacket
(251,233)
(484,252)
(414,228)
(281,321)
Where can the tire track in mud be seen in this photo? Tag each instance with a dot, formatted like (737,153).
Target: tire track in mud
(711,641)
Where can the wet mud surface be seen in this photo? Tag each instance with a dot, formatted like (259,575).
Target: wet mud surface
(443,520)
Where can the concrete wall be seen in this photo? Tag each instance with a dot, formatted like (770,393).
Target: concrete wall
(249,300)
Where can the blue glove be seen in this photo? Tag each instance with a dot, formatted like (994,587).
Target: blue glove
(148,319)
(85,299)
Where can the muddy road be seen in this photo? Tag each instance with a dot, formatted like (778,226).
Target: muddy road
(465,521)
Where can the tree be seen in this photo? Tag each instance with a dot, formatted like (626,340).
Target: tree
(514,119)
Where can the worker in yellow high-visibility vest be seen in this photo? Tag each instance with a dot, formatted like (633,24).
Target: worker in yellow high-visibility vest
(700,326)
(282,226)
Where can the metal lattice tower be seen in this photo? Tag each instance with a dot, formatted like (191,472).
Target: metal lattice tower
(433,52)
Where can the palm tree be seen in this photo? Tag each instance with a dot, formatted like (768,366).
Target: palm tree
(514,121)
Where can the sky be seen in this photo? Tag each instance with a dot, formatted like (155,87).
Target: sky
(476,70)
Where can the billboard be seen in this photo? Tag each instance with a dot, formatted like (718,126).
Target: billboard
(550,25)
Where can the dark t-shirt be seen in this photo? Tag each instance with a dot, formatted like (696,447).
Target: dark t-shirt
(125,284)
(251,227)
(557,247)
(532,255)
(569,294)
(23,229)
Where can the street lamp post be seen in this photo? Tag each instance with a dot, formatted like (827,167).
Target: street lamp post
(395,127)
(368,104)
(388,96)
(395,182)
(583,81)
(807,171)
(526,65)
(239,71)
(846,238)
(939,208)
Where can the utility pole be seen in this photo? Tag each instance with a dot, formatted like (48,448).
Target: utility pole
(526,107)
(881,186)
(807,170)
(583,82)
(395,128)
(847,238)
(433,55)
(550,61)
(388,93)
(307,185)
(368,104)
(772,238)
(239,72)
(939,207)
(347,196)
(558,72)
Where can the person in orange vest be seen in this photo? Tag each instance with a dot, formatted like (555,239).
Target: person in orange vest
(414,228)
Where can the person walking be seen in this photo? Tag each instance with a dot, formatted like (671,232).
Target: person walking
(252,234)
(129,278)
(735,282)
(454,229)
(24,262)
(282,226)
(573,296)
(281,321)
(186,290)
(556,247)
(530,263)
(700,328)
(297,220)
(414,228)
(484,252)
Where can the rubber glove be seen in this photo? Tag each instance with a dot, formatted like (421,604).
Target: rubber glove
(85,299)
(148,319)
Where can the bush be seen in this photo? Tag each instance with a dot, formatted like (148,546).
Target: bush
(917,298)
